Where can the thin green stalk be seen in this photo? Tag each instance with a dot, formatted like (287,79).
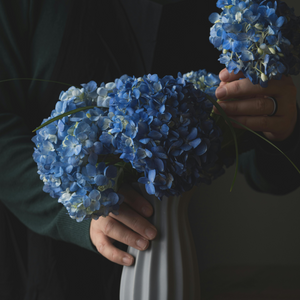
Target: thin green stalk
(266,140)
(63,115)
(52,81)
(223,114)
(36,79)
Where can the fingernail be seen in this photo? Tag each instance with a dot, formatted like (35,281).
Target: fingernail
(224,75)
(146,211)
(127,260)
(141,243)
(221,93)
(150,233)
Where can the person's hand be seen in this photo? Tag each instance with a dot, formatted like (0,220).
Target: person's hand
(129,227)
(253,106)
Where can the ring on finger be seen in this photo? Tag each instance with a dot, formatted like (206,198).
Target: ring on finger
(275,103)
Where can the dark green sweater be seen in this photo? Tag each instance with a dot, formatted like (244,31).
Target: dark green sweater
(30,37)
(35,43)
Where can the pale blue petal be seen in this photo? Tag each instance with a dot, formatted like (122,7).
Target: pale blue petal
(151,175)
(150,188)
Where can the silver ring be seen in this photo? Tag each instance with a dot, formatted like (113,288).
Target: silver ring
(275,106)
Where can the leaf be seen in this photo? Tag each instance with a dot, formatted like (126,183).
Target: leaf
(63,115)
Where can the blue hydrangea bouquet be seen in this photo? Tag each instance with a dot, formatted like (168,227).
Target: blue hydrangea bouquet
(159,132)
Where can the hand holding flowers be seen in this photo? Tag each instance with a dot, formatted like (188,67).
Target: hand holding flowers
(259,41)
(253,107)
(130,227)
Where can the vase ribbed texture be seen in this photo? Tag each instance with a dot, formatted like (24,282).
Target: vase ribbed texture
(168,269)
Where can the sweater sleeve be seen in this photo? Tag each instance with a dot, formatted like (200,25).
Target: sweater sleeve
(267,170)
(21,189)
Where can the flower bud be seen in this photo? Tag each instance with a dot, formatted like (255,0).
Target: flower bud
(238,16)
(260,51)
(258,26)
(263,77)
(272,50)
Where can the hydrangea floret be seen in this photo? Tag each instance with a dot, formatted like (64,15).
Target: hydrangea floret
(161,127)
(204,81)
(255,37)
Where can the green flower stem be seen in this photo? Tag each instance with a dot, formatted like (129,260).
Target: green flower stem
(266,140)
(223,114)
(63,115)
(52,81)
(35,79)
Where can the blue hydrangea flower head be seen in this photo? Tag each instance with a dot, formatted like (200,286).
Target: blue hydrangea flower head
(255,37)
(160,126)
(68,155)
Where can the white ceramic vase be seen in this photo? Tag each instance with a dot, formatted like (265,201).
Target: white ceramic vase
(168,269)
